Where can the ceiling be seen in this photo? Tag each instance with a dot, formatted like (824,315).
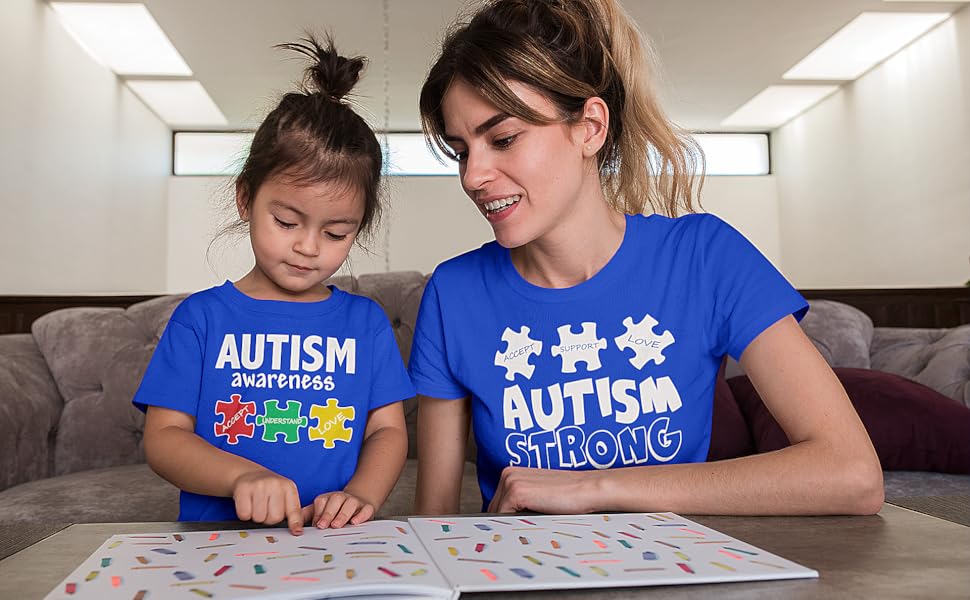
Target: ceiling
(715,54)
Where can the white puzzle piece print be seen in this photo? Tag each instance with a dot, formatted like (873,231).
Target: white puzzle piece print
(583,347)
(519,347)
(645,344)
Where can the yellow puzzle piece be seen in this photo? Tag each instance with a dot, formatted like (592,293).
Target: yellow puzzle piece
(330,423)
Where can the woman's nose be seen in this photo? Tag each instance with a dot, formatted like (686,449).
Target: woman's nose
(477,170)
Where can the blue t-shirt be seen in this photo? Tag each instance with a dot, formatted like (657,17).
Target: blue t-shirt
(616,371)
(287,385)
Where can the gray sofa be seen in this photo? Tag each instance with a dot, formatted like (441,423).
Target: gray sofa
(71,447)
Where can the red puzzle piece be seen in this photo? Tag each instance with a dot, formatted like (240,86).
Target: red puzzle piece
(234,415)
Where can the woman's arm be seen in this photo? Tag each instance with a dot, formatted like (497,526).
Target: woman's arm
(442,436)
(176,453)
(830,467)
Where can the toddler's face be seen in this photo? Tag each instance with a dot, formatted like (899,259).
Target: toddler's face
(301,234)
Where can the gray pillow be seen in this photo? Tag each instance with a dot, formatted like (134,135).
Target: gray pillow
(842,333)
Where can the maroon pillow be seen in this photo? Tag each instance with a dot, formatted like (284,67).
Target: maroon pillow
(912,427)
(730,437)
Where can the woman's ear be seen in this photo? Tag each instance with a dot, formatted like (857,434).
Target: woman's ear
(595,121)
(242,202)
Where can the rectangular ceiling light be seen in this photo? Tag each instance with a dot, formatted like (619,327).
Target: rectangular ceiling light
(866,41)
(123,37)
(179,103)
(778,104)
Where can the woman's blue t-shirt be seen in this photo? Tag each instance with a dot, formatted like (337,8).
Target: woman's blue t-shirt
(616,371)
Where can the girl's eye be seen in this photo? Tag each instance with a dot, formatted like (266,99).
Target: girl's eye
(335,237)
(284,224)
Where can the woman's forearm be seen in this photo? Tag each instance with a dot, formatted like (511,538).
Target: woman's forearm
(804,479)
(442,435)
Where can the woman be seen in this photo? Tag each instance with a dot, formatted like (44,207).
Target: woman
(583,344)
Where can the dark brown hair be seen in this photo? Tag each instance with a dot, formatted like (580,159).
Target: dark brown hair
(570,51)
(314,135)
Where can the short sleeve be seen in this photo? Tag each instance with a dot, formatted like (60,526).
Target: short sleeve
(749,293)
(429,366)
(390,379)
(174,375)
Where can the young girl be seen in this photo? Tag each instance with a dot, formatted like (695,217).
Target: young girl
(275,397)
(583,344)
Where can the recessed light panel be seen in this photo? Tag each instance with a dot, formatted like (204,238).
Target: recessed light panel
(777,105)
(866,41)
(179,103)
(123,37)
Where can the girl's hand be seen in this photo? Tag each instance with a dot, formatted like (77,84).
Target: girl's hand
(544,490)
(262,496)
(336,509)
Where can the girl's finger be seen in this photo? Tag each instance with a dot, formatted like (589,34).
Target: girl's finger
(293,511)
(330,509)
(366,513)
(349,508)
(244,506)
(319,506)
(307,514)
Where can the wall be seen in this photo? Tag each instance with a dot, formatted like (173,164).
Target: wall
(430,221)
(84,167)
(874,182)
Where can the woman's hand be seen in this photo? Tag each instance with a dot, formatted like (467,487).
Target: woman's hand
(545,490)
(262,496)
(336,509)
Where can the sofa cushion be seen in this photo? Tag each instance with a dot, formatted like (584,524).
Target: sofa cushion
(938,358)
(97,357)
(842,333)
(912,427)
(399,294)
(29,411)
(730,436)
(131,493)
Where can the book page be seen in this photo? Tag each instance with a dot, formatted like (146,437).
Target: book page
(587,551)
(378,558)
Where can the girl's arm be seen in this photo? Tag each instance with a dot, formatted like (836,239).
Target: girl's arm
(442,436)
(180,456)
(382,456)
(830,467)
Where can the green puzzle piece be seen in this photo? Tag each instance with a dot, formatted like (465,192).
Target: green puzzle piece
(275,421)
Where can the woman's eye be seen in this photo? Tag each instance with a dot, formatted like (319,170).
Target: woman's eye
(284,224)
(505,142)
(460,156)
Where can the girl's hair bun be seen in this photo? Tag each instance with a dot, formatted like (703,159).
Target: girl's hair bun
(330,74)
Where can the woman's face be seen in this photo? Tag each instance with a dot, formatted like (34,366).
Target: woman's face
(524,178)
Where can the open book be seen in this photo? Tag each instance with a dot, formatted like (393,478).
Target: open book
(423,558)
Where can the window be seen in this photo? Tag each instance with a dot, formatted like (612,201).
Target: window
(223,153)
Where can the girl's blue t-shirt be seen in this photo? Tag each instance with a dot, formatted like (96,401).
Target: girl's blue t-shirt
(285,384)
(614,372)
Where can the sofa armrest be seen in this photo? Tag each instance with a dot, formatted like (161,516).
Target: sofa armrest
(30,408)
